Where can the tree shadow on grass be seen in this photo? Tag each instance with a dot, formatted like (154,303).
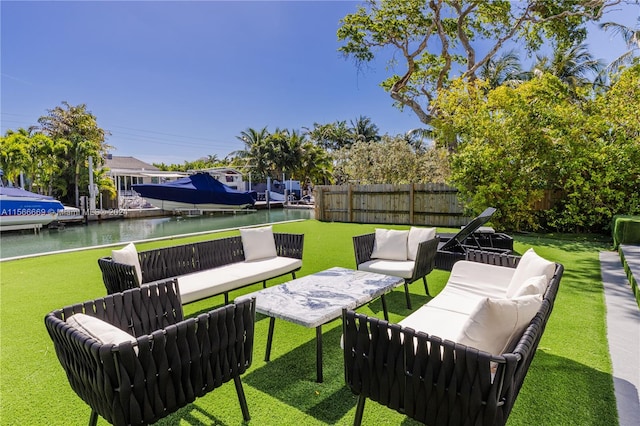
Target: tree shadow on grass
(291,378)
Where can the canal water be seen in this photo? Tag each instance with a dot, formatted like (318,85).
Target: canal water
(75,236)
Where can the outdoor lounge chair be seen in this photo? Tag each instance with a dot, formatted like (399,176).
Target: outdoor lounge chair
(454,247)
(409,269)
(165,361)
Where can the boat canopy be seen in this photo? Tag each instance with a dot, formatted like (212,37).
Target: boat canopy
(199,188)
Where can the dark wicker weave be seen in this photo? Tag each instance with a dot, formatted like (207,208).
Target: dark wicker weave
(169,262)
(425,259)
(177,360)
(435,381)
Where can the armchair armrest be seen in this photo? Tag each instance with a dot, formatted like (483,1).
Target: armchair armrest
(289,245)
(426,258)
(117,277)
(363,247)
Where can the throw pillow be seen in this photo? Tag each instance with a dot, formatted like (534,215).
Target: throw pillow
(390,244)
(128,255)
(100,330)
(258,243)
(416,236)
(530,265)
(494,323)
(532,286)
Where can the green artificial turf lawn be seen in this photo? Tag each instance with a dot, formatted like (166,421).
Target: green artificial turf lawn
(569,382)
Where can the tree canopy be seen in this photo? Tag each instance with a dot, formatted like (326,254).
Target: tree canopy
(79,127)
(519,146)
(433,42)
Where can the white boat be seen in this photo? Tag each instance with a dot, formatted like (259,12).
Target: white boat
(21,209)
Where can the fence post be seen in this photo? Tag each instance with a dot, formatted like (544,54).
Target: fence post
(350,203)
(412,200)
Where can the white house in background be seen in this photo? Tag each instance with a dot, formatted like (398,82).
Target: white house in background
(126,171)
(227,175)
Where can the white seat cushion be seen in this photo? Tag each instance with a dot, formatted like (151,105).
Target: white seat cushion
(100,330)
(203,284)
(396,268)
(416,236)
(495,323)
(390,244)
(128,255)
(436,322)
(530,265)
(258,243)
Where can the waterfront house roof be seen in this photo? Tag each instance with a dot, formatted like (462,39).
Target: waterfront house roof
(115,162)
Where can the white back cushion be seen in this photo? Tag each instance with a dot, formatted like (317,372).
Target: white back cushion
(494,323)
(100,330)
(258,243)
(534,285)
(416,236)
(530,265)
(128,255)
(390,244)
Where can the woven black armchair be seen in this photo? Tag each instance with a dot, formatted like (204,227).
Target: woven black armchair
(435,381)
(424,264)
(172,362)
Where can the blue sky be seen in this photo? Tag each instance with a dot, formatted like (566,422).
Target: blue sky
(176,81)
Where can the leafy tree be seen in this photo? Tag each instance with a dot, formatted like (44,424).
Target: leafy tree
(33,154)
(316,165)
(391,160)
(518,144)
(13,154)
(80,128)
(439,39)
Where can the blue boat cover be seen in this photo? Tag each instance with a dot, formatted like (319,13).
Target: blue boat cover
(199,188)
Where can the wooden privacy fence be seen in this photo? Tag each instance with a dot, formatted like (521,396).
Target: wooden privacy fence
(412,204)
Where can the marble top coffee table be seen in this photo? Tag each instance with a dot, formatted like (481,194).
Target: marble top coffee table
(317,299)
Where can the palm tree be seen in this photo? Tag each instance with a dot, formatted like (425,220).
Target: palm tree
(331,136)
(631,37)
(505,69)
(573,65)
(256,153)
(363,130)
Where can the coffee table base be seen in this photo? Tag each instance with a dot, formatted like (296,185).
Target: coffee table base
(319,373)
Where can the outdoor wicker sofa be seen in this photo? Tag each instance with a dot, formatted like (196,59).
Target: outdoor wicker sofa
(416,368)
(391,261)
(209,268)
(164,362)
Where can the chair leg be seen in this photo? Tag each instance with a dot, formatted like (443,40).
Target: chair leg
(242,399)
(406,292)
(93,418)
(264,284)
(359,410)
(426,288)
